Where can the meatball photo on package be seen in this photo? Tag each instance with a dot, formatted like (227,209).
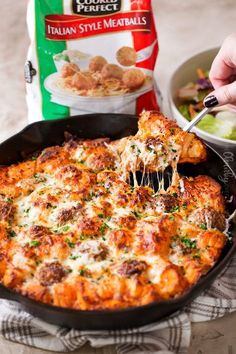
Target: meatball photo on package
(90,56)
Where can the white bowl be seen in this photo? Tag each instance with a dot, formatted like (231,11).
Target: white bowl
(87,104)
(185,73)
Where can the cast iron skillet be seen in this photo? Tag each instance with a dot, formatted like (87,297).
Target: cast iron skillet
(42,134)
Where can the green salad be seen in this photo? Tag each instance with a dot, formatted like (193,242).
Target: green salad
(220,122)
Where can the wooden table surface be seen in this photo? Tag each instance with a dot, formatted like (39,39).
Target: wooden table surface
(185,27)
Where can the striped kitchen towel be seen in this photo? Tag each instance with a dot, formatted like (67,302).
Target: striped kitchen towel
(171,335)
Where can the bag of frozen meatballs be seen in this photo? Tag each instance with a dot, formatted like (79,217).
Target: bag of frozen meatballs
(90,56)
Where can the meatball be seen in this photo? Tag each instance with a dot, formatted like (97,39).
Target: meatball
(208,218)
(133,78)
(66,215)
(141,196)
(97,63)
(91,227)
(82,82)
(37,231)
(132,267)
(102,253)
(6,210)
(167,202)
(121,238)
(127,221)
(112,71)
(69,69)
(49,154)
(51,273)
(126,56)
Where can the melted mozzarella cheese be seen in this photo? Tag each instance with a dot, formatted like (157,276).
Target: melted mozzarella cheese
(20,261)
(84,256)
(182,188)
(157,266)
(78,153)
(25,213)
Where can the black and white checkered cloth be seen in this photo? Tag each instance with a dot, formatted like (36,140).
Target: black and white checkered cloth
(165,337)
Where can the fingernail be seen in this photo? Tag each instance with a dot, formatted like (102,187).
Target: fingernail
(210,101)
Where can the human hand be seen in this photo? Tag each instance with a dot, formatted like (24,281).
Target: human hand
(223,75)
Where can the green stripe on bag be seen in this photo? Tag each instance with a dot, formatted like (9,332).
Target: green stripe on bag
(46,49)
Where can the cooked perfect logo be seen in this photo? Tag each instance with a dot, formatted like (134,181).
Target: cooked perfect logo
(96,7)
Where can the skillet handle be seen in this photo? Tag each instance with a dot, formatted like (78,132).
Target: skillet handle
(7,293)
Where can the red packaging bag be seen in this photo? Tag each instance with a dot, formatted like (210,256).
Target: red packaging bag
(90,56)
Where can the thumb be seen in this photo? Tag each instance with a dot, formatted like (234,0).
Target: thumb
(222,95)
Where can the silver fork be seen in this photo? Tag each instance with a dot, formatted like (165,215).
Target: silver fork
(196,119)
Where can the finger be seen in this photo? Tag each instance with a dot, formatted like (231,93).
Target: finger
(224,64)
(222,95)
(220,71)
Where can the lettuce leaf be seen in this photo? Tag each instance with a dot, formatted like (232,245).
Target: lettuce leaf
(184,111)
(221,128)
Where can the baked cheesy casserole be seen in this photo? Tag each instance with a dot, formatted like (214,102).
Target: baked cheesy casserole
(77,234)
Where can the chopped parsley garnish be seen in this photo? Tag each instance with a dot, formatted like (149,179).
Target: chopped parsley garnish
(82,272)
(136,214)
(26,211)
(39,178)
(171,217)
(175,195)
(89,197)
(70,243)
(38,261)
(103,228)
(203,226)
(73,257)
(184,206)
(133,146)
(34,156)
(150,148)
(173,150)
(34,243)
(188,243)
(100,215)
(82,162)
(11,233)
(196,256)
(49,205)
(82,237)
(175,208)
(65,228)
